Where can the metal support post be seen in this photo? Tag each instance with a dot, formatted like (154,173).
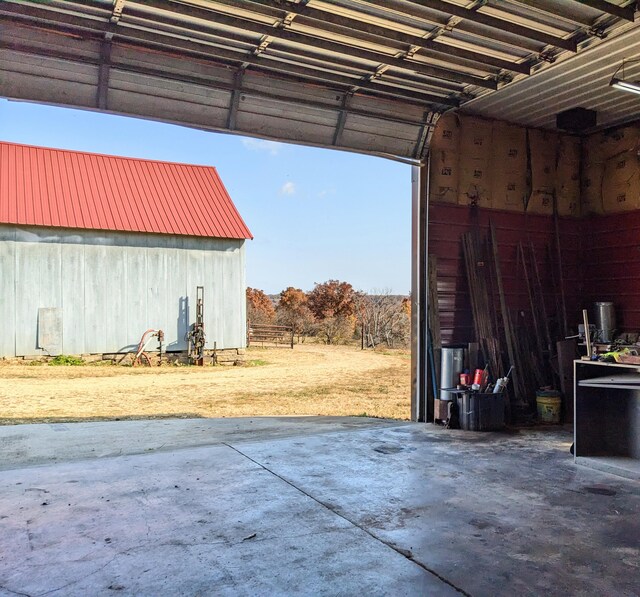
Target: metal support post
(421,410)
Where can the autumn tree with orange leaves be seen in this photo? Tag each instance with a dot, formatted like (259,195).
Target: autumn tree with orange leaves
(333,305)
(260,309)
(293,310)
(332,299)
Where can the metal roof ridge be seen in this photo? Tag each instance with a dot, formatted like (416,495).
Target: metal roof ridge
(107,155)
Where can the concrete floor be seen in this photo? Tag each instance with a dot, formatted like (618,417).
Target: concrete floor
(308,506)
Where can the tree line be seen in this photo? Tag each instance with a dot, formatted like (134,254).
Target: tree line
(334,313)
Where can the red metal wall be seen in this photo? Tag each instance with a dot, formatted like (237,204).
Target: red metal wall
(611,263)
(447,223)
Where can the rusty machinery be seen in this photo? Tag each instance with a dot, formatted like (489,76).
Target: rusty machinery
(141,357)
(195,336)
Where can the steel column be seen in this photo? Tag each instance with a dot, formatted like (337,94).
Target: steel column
(419,282)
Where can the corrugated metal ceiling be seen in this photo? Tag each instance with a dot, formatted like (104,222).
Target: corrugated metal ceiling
(322,72)
(582,81)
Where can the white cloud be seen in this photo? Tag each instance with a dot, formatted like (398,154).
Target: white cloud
(271,147)
(326,193)
(288,188)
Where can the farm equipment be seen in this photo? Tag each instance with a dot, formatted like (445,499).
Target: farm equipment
(196,336)
(140,357)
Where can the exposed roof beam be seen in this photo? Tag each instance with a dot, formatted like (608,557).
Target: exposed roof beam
(371,88)
(556,9)
(310,57)
(357,69)
(418,14)
(275,65)
(173,8)
(623,12)
(148,39)
(496,23)
(322,19)
(346,67)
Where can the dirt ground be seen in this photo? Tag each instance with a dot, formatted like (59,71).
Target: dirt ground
(312,379)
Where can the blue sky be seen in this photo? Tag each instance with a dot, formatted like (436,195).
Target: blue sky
(316,214)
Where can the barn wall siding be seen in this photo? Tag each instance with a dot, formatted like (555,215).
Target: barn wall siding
(612,265)
(7,294)
(447,224)
(112,287)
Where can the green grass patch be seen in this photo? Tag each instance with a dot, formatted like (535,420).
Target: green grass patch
(256,363)
(66,360)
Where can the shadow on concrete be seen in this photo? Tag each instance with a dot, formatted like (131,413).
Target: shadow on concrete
(76,419)
(308,506)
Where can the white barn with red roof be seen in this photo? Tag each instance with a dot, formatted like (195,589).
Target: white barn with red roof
(96,249)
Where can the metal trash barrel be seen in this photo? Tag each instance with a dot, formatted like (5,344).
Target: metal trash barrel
(451,367)
(605,313)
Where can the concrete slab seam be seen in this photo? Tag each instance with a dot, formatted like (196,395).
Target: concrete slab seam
(14,592)
(403,552)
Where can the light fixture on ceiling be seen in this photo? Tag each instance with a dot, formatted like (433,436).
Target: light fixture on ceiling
(619,82)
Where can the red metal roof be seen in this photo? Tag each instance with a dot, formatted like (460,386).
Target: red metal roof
(71,189)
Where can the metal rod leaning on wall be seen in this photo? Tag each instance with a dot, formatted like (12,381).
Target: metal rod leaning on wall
(563,303)
(474,251)
(587,331)
(506,319)
(538,287)
(532,302)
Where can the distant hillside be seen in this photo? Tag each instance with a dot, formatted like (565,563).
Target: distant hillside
(274,298)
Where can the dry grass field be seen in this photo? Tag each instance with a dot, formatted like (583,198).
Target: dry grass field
(312,379)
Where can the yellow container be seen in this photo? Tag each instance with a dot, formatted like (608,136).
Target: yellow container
(549,404)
